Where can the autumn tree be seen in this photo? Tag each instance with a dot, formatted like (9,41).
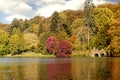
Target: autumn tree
(3,42)
(63,49)
(16,43)
(112,7)
(114,31)
(31,41)
(67,18)
(102,19)
(51,44)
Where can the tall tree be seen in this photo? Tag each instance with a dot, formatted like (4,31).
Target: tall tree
(89,21)
(88,18)
(54,22)
(40,30)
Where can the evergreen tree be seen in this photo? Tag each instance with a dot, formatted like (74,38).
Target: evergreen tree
(40,28)
(14,24)
(54,22)
(88,17)
(24,25)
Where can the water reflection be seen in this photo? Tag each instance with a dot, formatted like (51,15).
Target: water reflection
(59,69)
(114,66)
(90,69)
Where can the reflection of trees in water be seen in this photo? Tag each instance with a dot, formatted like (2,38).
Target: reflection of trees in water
(22,71)
(3,74)
(59,71)
(90,69)
(101,69)
(114,65)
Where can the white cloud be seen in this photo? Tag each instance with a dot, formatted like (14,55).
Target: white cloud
(48,10)
(97,2)
(53,1)
(75,4)
(10,18)
(15,7)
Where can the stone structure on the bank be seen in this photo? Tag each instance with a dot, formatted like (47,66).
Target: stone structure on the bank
(98,53)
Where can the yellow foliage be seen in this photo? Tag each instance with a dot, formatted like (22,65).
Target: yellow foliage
(31,40)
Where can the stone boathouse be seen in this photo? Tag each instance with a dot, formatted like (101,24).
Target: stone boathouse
(98,53)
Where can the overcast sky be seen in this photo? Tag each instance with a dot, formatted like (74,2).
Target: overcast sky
(10,9)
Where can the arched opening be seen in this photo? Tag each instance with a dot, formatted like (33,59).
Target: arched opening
(102,55)
(96,55)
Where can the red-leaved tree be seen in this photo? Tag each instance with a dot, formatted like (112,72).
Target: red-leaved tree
(61,48)
(51,44)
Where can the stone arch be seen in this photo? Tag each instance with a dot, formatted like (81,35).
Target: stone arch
(102,55)
(96,55)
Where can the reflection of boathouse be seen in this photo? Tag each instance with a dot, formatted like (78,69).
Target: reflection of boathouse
(98,53)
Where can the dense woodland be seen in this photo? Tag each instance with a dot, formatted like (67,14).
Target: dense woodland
(64,32)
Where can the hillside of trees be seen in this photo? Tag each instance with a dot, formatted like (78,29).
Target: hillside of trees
(64,32)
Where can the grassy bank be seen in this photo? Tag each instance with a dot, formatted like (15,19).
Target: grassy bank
(39,55)
(30,55)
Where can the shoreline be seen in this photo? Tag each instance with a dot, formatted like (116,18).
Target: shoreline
(29,55)
(38,55)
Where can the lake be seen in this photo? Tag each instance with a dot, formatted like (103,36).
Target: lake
(60,68)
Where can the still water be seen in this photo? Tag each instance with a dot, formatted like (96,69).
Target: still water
(59,68)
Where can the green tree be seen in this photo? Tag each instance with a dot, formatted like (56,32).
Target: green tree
(88,18)
(88,22)
(41,29)
(24,25)
(54,22)
(14,24)
(78,23)
(42,42)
